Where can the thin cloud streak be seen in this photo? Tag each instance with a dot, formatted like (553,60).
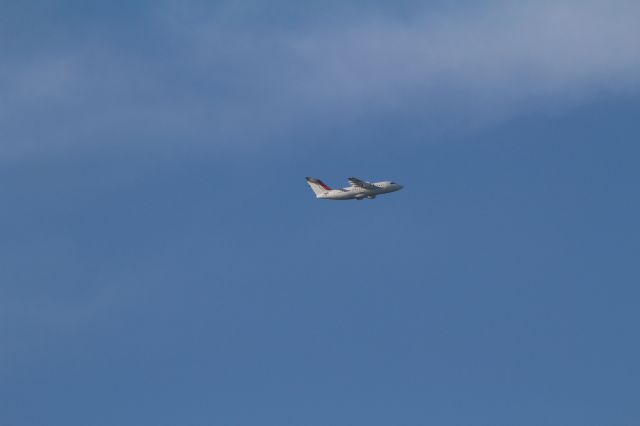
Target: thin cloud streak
(221,85)
(492,62)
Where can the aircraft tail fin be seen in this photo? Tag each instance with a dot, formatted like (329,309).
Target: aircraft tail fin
(317,186)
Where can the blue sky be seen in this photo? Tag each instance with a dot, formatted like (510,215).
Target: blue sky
(164,262)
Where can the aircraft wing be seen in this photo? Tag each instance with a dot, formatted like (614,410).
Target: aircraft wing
(361,184)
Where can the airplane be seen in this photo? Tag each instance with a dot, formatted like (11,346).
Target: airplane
(358,190)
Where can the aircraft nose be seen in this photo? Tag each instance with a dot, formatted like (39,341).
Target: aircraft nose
(399,186)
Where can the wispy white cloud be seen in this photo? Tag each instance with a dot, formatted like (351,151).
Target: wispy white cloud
(212,82)
(481,64)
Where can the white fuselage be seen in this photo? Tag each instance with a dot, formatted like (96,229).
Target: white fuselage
(358,193)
